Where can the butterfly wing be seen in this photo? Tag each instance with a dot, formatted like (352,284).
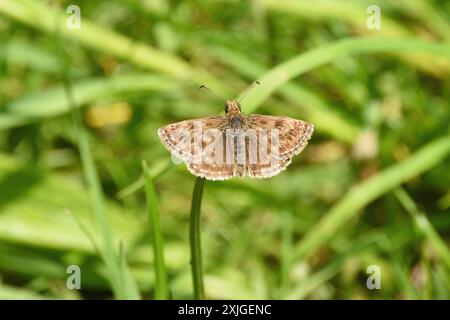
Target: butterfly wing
(188,140)
(292,138)
(204,145)
(179,138)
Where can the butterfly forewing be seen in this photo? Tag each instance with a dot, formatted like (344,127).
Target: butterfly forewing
(293,134)
(184,139)
(290,139)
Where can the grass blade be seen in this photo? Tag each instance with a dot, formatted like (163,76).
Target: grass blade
(331,269)
(49,19)
(120,276)
(316,110)
(424,225)
(194,236)
(161,286)
(354,13)
(52,102)
(314,58)
(365,192)
(287,237)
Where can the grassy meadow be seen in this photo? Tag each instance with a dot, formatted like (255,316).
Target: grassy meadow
(85,181)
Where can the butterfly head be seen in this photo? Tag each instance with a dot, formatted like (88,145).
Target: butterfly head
(232,107)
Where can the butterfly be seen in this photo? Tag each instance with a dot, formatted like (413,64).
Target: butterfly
(236,145)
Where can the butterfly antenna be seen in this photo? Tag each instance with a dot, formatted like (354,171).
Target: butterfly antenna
(206,88)
(248,90)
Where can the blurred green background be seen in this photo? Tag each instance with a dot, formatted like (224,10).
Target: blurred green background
(371,188)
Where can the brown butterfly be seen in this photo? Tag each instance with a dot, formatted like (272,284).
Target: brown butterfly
(236,145)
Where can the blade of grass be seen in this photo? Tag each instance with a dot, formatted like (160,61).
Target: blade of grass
(316,109)
(287,235)
(433,19)
(52,102)
(129,285)
(119,273)
(122,260)
(402,276)
(314,58)
(48,19)
(96,198)
(363,193)
(161,286)
(355,14)
(424,225)
(34,217)
(85,230)
(13,293)
(194,236)
(34,57)
(330,270)
(158,168)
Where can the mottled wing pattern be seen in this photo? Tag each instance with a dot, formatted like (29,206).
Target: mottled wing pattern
(182,145)
(178,137)
(179,140)
(212,171)
(292,139)
(294,134)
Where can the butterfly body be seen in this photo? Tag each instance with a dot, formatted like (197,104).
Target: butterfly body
(236,145)
(236,122)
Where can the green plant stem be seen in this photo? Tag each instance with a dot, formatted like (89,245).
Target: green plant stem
(161,287)
(194,236)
